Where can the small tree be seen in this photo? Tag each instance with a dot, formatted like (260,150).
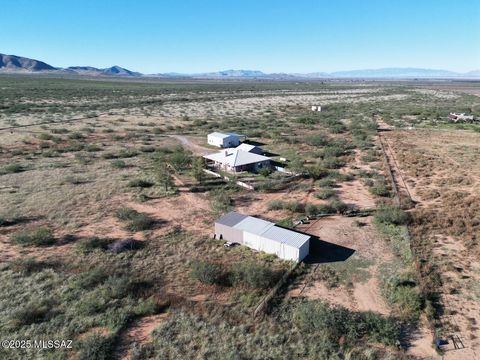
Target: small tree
(164,176)
(197,170)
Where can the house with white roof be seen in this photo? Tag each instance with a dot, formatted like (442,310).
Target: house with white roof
(250,148)
(235,160)
(262,235)
(223,140)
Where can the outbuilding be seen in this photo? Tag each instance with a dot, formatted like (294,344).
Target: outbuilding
(223,140)
(262,235)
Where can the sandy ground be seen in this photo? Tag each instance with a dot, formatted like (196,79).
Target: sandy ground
(434,164)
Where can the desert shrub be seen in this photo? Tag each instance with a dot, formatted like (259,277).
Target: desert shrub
(93,243)
(12,168)
(390,214)
(76,136)
(90,279)
(59,131)
(333,163)
(220,200)
(339,206)
(317,140)
(294,206)
(327,182)
(45,136)
(275,205)
(96,346)
(206,272)
(119,164)
(379,188)
(252,276)
(140,183)
(401,291)
(29,265)
(317,172)
(136,221)
(265,171)
(325,194)
(31,313)
(40,236)
(335,323)
(141,222)
(126,213)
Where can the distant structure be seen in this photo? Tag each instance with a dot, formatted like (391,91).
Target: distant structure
(236,160)
(250,148)
(262,235)
(317,108)
(460,117)
(224,140)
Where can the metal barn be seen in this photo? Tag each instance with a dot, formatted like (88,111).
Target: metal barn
(262,235)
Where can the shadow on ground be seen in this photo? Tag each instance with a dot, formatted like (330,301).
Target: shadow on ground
(325,252)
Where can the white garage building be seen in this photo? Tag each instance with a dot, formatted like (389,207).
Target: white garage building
(223,140)
(262,235)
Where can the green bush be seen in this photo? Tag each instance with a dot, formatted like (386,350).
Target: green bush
(12,168)
(140,183)
(325,194)
(206,272)
(252,276)
(317,140)
(31,313)
(29,265)
(390,214)
(335,323)
(339,206)
(93,243)
(96,346)
(135,221)
(379,188)
(40,236)
(119,164)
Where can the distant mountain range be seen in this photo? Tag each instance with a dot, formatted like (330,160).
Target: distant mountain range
(18,64)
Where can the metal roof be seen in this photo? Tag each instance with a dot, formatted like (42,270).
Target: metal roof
(247,147)
(221,135)
(236,157)
(289,237)
(231,219)
(264,229)
(254,225)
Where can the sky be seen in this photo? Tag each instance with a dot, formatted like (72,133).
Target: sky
(272,36)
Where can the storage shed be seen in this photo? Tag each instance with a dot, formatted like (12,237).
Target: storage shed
(223,140)
(262,235)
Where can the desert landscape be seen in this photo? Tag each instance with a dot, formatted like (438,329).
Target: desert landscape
(107,219)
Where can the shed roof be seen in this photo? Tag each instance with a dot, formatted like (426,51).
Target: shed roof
(231,219)
(247,147)
(264,229)
(254,225)
(221,135)
(236,157)
(289,237)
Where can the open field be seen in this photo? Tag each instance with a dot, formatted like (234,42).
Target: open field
(106,228)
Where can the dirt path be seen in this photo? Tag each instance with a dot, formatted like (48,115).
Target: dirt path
(189,144)
(139,333)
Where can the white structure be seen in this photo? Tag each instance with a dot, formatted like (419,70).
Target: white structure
(235,160)
(250,148)
(223,140)
(455,117)
(316,108)
(262,235)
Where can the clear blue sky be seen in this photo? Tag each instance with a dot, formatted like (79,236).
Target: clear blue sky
(272,36)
